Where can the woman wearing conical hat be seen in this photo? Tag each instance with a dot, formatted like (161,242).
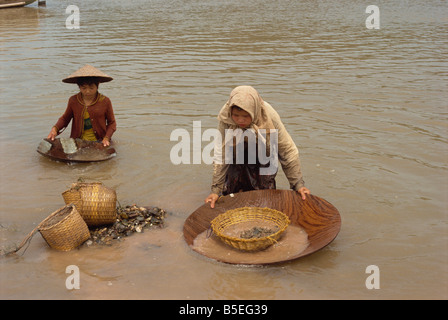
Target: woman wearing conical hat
(91,112)
(247,120)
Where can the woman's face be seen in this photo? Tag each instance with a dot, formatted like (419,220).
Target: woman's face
(241,118)
(88,91)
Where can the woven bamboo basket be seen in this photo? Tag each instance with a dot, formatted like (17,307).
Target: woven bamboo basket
(64,229)
(95,202)
(246,216)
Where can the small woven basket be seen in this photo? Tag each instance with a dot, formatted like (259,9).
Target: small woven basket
(249,216)
(95,202)
(64,229)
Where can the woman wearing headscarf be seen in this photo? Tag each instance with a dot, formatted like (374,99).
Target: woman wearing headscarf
(245,120)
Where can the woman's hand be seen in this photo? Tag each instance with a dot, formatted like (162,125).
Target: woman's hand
(212,198)
(303,191)
(53,133)
(106,142)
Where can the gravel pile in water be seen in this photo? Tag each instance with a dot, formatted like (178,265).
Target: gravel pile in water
(130,219)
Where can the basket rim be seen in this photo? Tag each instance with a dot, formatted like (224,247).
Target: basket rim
(45,228)
(78,185)
(272,237)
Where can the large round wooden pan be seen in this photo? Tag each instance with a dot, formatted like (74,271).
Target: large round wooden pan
(75,150)
(319,218)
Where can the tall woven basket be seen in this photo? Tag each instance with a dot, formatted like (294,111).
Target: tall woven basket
(95,202)
(64,229)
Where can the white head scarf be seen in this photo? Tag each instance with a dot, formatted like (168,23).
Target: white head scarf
(248,99)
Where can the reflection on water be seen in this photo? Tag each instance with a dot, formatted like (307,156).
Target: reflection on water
(367,109)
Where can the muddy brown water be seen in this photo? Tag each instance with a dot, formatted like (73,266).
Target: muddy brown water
(367,109)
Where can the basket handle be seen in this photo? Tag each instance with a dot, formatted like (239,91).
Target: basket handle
(24,242)
(30,235)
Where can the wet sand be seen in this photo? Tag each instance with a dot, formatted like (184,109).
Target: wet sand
(293,242)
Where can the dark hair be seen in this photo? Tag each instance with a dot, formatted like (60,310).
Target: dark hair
(237,108)
(87,81)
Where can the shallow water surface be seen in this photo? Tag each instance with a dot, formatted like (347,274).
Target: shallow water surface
(367,109)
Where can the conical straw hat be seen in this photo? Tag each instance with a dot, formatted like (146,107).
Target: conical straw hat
(87,71)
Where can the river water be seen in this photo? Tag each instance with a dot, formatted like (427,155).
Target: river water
(366,107)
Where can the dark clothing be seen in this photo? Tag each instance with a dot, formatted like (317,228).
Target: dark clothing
(246,177)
